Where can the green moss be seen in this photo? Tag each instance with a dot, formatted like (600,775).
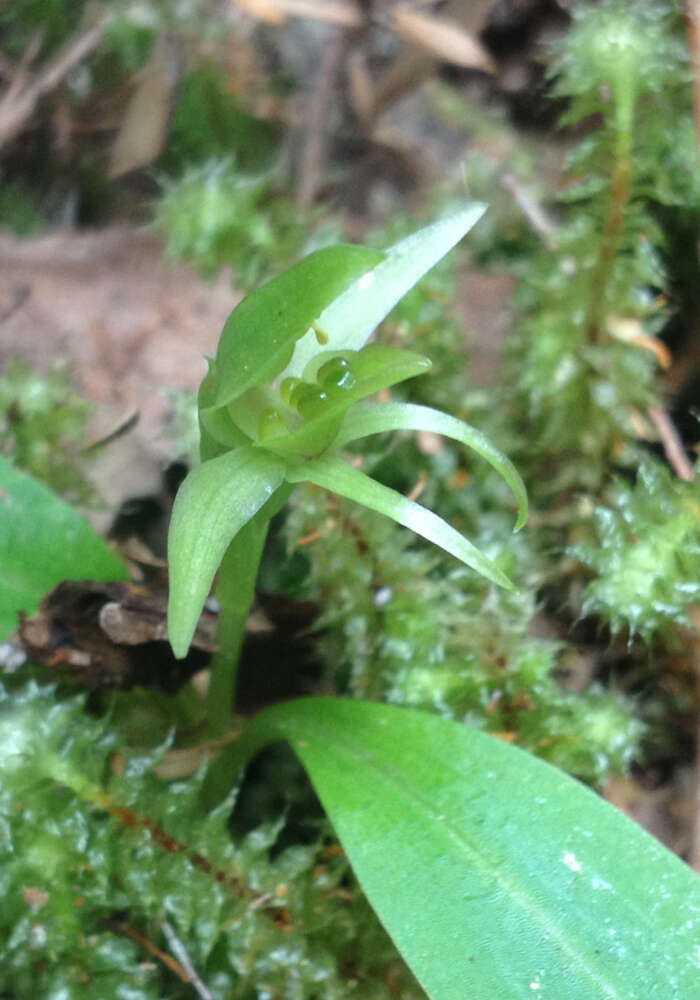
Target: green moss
(589,301)
(128,45)
(19,211)
(43,425)
(399,622)
(56,19)
(84,890)
(215,215)
(645,552)
(404,625)
(209,124)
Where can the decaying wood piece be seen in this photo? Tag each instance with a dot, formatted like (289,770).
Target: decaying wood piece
(277,12)
(535,214)
(458,21)
(131,324)
(316,141)
(24,93)
(182,956)
(112,635)
(441,37)
(672,444)
(144,129)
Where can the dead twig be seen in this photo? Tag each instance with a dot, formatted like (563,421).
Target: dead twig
(420,485)
(425,49)
(123,930)
(325,88)
(672,445)
(8,68)
(537,217)
(17,299)
(278,11)
(16,72)
(126,424)
(24,93)
(144,128)
(180,952)
(443,38)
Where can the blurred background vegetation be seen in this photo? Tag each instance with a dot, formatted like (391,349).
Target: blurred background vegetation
(158,159)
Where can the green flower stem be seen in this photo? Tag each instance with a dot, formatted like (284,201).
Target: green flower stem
(235,591)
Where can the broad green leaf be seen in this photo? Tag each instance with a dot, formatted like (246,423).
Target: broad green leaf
(375,418)
(352,317)
(212,505)
(259,336)
(333,474)
(497,876)
(42,542)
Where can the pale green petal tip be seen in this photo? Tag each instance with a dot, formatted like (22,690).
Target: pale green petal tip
(518,488)
(503,581)
(522,518)
(180,648)
(180,633)
(179,644)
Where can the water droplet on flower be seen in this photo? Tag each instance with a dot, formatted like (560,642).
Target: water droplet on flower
(336,373)
(309,400)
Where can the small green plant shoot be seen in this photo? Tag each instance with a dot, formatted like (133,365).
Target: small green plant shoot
(274,414)
(496,875)
(459,858)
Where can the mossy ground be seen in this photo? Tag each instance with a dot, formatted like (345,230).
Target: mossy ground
(591,664)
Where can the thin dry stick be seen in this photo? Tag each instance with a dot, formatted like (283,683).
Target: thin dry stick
(8,68)
(535,214)
(316,146)
(125,931)
(277,11)
(23,95)
(672,445)
(180,952)
(324,10)
(18,74)
(17,297)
